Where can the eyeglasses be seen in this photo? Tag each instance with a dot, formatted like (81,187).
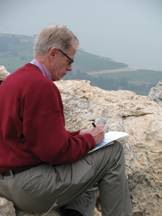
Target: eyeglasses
(68,57)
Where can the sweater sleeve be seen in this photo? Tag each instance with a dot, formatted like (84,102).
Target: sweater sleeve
(73,133)
(44,129)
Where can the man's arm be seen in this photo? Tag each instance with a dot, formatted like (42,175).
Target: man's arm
(45,131)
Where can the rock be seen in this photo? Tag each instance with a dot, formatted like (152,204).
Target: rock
(6,208)
(135,114)
(156,93)
(52,213)
(126,111)
(3,72)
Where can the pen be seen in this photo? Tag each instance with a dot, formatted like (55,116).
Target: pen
(93,124)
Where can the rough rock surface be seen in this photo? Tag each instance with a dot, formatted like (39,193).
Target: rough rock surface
(141,118)
(3,72)
(6,208)
(137,115)
(156,93)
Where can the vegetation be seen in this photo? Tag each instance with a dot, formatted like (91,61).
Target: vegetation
(15,50)
(139,81)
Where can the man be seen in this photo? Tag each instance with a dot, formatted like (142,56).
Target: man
(43,166)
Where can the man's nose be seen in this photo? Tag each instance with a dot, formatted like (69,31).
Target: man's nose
(69,68)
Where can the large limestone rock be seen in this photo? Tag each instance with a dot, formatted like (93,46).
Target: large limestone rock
(137,115)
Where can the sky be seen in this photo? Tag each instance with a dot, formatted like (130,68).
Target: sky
(127,31)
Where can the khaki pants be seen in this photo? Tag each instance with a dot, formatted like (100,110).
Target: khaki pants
(73,185)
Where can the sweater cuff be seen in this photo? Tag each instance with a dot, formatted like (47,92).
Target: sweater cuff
(74,133)
(90,140)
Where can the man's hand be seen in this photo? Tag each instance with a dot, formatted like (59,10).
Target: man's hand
(97,133)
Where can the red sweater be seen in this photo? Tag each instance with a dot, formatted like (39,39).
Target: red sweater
(32,127)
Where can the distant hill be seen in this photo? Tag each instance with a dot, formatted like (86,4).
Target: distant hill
(15,50)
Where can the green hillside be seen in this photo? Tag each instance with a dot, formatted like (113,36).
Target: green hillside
(86,62)
(139,81)
(15,50)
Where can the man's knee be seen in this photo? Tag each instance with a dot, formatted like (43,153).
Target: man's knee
(118,146)
(118,153)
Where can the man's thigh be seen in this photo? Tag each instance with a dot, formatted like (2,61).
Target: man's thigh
(36,189)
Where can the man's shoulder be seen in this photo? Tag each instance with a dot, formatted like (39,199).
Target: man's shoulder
(28,78)
(28,70)
(28,74)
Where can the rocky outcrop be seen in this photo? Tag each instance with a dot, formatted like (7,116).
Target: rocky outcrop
(125,111)
(156,93)
(137,115)
(6,208)
(3,72)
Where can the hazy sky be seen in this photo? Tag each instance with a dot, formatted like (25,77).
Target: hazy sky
(128,31)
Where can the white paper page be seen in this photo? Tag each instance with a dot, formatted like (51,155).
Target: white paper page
(109,138)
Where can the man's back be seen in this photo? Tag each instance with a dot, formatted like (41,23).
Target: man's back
(32,127)
(17,93)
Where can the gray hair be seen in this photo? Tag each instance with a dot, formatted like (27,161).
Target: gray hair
(54,37)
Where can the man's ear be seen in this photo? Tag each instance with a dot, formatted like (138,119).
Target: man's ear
(52,51)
